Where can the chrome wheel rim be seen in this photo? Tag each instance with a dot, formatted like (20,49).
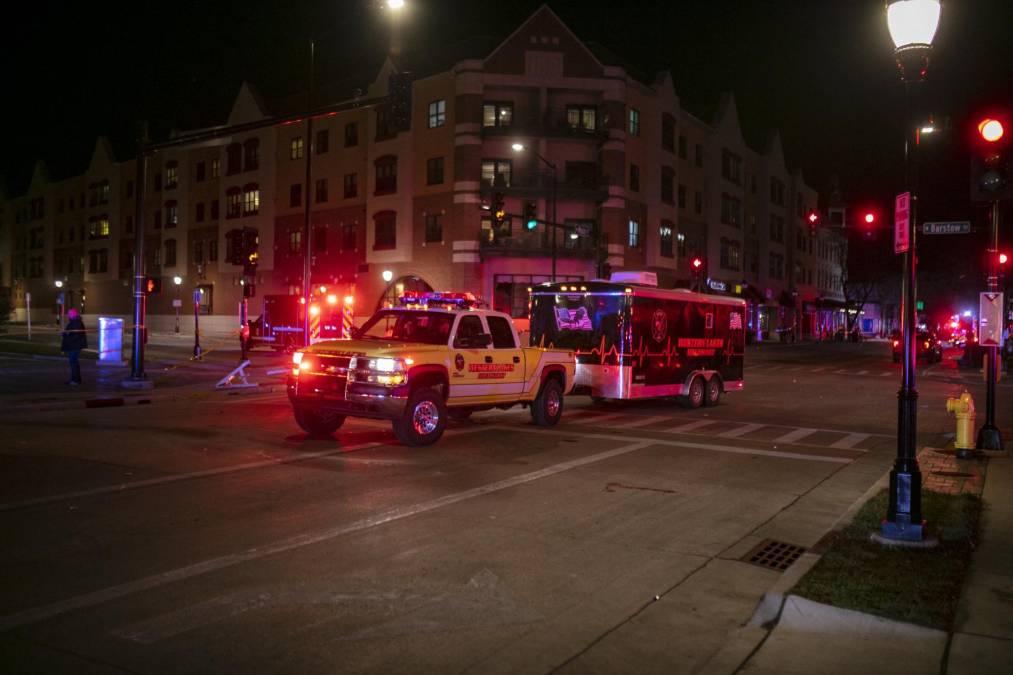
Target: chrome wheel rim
(425,418)
(553,403)
(696,391)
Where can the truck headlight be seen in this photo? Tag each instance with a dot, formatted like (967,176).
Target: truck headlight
(388,372)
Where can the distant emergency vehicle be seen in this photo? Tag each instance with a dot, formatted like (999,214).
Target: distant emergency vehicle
(435,356)
(634,340)
(281,325)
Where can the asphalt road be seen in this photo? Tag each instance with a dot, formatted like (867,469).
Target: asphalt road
(207,534)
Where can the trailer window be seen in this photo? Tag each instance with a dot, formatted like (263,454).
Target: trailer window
(576,320)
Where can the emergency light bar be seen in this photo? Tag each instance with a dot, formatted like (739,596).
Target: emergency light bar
(428,298)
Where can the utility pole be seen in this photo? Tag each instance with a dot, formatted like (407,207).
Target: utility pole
(138,379)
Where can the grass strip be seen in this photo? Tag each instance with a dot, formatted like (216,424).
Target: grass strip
(920,586)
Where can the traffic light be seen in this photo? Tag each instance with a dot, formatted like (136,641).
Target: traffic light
(498,209)
(870,218)
(152,285)
(531,215)
(696,268)
(813,218)
(990,162)
(1003,258)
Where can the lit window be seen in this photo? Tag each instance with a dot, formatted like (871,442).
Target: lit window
(633,240)
(497,114)
(296,148)
(437,113)
(634,122)
(251,201)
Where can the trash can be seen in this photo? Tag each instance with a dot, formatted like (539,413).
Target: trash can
(110,340)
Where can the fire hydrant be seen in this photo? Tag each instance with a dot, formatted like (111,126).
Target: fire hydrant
(963,408)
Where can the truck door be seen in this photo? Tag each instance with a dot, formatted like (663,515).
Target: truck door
(469,355)
(507,358)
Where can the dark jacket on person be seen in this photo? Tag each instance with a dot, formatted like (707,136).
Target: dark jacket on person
(74,337)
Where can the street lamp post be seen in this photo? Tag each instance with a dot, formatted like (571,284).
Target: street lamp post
(912,25)
(553,225)
(177,281)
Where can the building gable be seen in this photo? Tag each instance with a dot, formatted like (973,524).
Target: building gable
(726,121)
(542,42)
(248,106)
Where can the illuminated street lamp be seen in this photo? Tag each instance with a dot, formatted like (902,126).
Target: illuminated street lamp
(58,283)
(552,225)
(177,303)
(912,25)
(388,276)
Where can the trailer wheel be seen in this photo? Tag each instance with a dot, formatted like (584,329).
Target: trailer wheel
(695,397)
(712,392)
(319,423)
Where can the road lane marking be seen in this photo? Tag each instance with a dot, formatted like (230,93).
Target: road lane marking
(741,431)
(689,427)
(793,436)
(88,600)
(862,372)
(602,418)
(640,422)
(849,441)
(206,473)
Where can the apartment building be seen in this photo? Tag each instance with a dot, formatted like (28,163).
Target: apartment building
(401,181)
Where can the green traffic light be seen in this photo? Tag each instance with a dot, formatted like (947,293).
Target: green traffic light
(532,224)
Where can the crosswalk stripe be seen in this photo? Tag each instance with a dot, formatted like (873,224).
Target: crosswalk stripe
(741,431)
(641,422)
(602,418)
(689,427)
(849,441)
(796,435)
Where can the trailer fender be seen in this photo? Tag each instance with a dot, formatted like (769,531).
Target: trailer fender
(707,375)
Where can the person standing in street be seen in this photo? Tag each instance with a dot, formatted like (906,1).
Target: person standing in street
(74,340)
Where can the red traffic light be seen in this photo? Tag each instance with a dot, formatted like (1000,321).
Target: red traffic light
(991,130)
(1003,258)
(870,218)
(697,263)
(813,217)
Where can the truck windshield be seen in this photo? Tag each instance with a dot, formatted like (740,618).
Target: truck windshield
(431,328)
(578,321)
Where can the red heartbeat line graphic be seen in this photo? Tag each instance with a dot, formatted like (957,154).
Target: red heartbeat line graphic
(641,352)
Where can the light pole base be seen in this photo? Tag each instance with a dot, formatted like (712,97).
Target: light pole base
(921,542)
(989,438)
(139,383)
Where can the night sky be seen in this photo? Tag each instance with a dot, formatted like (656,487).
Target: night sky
(821,71)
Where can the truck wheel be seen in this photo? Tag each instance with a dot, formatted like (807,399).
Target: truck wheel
(712,392)
(547,408)
(460,414)
(423,420)
(318,422)
(695,397)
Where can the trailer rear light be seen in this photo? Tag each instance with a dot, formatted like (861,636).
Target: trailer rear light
(896,343)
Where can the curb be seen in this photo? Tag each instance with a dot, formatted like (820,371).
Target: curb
(128,400)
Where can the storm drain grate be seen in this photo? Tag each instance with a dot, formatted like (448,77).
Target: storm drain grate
(775,555)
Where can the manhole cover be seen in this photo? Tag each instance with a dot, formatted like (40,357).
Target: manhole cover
(953,474)
(775,555)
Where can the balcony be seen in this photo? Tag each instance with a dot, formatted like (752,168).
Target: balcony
(555,123)
(519,242)
(524,183)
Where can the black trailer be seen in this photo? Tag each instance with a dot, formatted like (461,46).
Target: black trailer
(634,341)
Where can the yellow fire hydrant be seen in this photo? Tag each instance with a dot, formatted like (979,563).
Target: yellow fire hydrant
(963,408)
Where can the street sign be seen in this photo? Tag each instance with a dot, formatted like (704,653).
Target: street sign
(947,227)
(990,319)
(176,302)
(901,221)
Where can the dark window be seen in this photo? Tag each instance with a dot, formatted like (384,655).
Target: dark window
(170,252)
(351,134)
(698,155)
(233,159)
(777,229)
(158,219)
(351,185)
(666,232)
(214,209)
(698,202)
(668,132)
(682,196)
(731,254)
(233,203)
(581,174)
(667,185)
(634,177)
(199,172)
(295,195)
(171,214)
(731,166)
(295,241)
(198,252)
(502,333)
(212,250)
(157,180)
(320,193)
(437,113)
(383,129)
(682,147)
(467,328)
(216,168)
(323,141)
(251,154)
(385,236)
(777,192)
(386,175)
(320,239)
(731,211)
(349,239)
(499,114)
(434,171)
(434,228)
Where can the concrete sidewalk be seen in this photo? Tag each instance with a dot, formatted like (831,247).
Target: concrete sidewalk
(808,637)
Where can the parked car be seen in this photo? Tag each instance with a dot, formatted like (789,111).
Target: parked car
(929,347)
